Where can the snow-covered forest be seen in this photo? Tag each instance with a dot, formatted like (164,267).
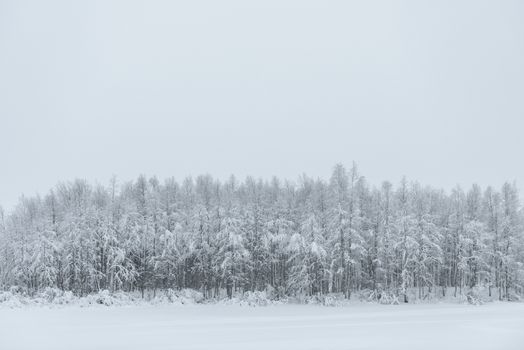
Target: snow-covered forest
(309,237)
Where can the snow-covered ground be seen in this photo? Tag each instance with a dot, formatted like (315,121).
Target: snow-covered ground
(361,326)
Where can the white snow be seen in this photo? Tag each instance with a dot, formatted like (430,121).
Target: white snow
(361,326)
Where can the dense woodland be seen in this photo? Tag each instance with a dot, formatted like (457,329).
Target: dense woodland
(308,237)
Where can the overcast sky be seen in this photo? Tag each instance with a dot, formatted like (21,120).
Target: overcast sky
(90,89)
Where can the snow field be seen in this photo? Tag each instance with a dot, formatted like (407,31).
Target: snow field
(361,326)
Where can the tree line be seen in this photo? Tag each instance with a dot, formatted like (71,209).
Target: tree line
(309,237)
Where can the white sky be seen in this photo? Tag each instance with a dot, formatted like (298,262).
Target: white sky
(433,90)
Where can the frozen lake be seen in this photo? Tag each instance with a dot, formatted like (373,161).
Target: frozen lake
(443,327)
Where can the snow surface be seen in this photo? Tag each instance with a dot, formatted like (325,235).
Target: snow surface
(360,326)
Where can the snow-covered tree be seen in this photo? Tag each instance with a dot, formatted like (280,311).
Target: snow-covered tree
(307,238)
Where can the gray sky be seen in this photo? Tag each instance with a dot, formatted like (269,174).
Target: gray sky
(433,90)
